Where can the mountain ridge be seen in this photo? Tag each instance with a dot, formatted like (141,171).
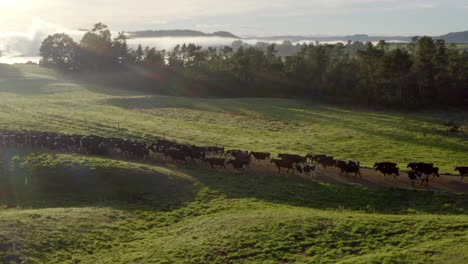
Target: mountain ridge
(453,37)
(180,33)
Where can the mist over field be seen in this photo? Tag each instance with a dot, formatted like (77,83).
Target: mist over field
(22,47)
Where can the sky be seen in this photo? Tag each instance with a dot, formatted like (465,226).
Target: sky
(245,17)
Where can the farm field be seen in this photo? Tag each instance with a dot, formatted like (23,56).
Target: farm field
(70,208)
(77,209)
(41,99)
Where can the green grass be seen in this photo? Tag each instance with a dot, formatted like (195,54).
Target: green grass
(63,208)
(76,209)
(40,99)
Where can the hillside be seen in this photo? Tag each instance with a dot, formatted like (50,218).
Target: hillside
(64,207)
(179,33)
(76,209)
(455,37)
(35,98)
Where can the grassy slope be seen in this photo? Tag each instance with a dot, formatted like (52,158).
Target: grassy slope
(40,99)
(143,213)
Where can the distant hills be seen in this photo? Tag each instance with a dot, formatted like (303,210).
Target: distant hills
(180,33)
(455,37)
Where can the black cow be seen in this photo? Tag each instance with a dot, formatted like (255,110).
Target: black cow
(315,158)
(293,158)
(215,150)
(463,171)
(389,171)
(215,162)
(280,163)
(176,155)
(238,164)
(326,161)
(260,155)
(239,154)
(381,165)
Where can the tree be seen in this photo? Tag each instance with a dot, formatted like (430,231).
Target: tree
(96,51)
(122,54)
(139,55)
(397,65)
(58,50)
(424,66)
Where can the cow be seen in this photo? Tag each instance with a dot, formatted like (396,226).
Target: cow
(380,165)
(292,158)
(315,158)
(389,171)
(414,175)
(239,154)
(306,168)
(349,166)
(463,171)
(215,150)
(426,168)
(415,165)
(326,161)
(195,152)
(215,162)
(176,155)
(258,156)
(280,163)
(238,164)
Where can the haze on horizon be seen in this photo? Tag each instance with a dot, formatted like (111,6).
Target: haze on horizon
(245,17)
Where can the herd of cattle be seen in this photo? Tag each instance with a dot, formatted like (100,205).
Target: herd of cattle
(216,157)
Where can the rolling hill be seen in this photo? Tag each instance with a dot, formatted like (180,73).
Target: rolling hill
(180,33)
(58,207)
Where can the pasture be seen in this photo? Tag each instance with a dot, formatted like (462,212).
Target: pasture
(78,209)
(69,208)
(41,99)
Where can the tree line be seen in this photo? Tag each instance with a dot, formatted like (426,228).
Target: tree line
(425,72)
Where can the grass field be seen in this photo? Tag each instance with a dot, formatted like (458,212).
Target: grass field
(68,208)
(76,209)
(40,99)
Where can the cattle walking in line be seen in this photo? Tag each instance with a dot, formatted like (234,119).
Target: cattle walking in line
(131,148)
(463,171)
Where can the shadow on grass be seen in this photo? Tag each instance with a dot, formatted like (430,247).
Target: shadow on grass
(46,181)
(389,126)
(296,191)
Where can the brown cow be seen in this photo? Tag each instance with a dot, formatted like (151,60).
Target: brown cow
(288,164)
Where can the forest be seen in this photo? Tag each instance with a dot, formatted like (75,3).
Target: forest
(425,73)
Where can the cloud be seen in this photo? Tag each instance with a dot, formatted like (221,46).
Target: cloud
(28,43)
